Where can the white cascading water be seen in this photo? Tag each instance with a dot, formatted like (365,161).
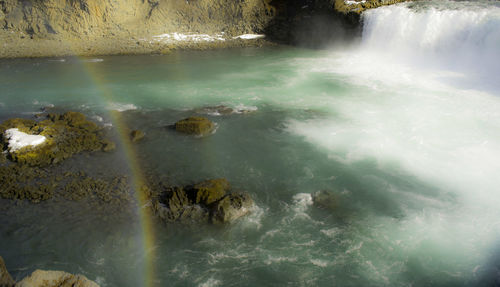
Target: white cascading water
(425,102)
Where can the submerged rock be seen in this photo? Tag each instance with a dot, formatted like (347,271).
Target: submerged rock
(207,201)
(195,126)
(42,278)
(326,199)
(65,134)
(5,278)
(136,135)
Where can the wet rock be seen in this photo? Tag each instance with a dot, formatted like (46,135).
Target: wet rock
(204,202)
(136,135)
(326,199)
(209,191)
(5,278)
(66,134)
(195,126)
(42,278)
(231,207)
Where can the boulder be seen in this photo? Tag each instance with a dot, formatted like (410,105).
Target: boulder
(136,135)
(231,207)
(5,278)
(326,199)
(208,191)
(204,202)
(42,278)
(195,126)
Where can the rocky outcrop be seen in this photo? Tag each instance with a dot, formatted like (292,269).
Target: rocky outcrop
(66,134)
(42,278)
(210,201)
(195,126)
(5,278)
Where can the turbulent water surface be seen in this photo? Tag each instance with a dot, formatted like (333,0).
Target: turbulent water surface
(403,126)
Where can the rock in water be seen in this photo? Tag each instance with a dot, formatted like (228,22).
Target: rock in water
(136,135)
(5,278)
(326,199)
(65,135)
(231,207)
(195,126)
(204,202)
(209,191)
(42,278)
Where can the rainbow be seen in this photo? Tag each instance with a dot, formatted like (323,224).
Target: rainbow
(138,181)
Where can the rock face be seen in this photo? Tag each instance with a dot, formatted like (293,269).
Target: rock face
(207,201)
(5,278)
(195,126)
(65,134)
(41,278)
(88,26)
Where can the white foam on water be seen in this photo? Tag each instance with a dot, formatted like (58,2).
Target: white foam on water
(279,259)
(96,60)
(210,283)
(121,107)
(422,101)
(18,139)
(319,262)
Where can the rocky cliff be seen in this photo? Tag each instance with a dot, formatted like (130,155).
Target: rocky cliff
(90,27)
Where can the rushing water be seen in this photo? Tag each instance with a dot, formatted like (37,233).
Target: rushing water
(403,126)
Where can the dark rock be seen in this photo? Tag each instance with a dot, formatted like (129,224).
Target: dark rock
(5,278)
(232,207)
(326,199)
(195,126)
(136,135)
(209,191)
(42,278)
(204,202)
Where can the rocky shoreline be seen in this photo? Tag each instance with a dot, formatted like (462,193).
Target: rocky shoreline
(37,29)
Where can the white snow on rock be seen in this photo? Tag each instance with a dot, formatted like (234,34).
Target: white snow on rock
(351,2)
(250,36)
(18,139)
(188,37)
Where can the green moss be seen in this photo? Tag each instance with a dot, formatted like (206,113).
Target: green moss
(195,126)
(66,134)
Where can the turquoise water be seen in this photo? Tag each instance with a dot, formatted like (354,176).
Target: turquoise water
(408,139)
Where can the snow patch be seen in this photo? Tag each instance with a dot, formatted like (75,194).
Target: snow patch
(250,36)
(18,139)
(188,37)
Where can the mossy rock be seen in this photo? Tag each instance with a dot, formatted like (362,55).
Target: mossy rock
(22,182)
(66,134)
(204,202)
(208,191)
(195,126)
